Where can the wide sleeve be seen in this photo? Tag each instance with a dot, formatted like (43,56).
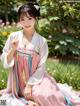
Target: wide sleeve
(6,48)
(39,73)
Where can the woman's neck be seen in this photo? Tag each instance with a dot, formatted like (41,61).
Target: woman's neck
(28,34)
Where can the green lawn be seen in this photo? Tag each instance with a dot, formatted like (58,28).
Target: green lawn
(65,71)
(3,76)
(62,71)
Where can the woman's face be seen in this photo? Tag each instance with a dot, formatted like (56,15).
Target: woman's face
(27,22)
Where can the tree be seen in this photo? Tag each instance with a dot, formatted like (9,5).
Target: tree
(61,20)
(7,5)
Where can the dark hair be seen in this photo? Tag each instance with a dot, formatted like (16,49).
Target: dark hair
(32,8)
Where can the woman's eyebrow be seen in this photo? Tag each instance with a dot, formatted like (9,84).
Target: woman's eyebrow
(26,16)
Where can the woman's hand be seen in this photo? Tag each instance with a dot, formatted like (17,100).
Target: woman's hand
(32,103)
(15,43)
(28,92)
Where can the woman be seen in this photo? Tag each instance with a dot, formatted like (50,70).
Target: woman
(25,53)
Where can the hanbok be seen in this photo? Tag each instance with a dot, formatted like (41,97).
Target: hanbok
(28,66)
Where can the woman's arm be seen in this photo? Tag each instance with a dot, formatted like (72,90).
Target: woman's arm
(8,52)
(11,52)
(39,73)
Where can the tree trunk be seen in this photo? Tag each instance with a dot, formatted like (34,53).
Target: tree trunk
(6,14)
(6,10)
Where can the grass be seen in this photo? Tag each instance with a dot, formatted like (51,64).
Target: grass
(62,71)
(65,72)
(3,76)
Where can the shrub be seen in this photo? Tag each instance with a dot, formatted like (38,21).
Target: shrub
(64,44)
(4,33)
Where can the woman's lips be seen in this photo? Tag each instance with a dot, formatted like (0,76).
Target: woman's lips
(27,26)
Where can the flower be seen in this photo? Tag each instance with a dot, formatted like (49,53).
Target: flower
(50,37)
(63,42)
(48,68)
(64,30)
(57,47)
(4,33)
(2,80)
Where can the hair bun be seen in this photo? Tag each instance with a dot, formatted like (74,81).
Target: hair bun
(34,4)
(32,8)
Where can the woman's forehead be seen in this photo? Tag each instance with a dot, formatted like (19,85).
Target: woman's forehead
(24,15)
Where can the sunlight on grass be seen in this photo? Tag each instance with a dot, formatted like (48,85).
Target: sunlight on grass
(65,72)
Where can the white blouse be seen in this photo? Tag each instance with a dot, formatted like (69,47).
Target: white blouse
(37,43)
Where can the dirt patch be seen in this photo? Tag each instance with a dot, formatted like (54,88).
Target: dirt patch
(59,58)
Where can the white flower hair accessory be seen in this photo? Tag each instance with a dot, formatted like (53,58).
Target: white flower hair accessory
(36,6)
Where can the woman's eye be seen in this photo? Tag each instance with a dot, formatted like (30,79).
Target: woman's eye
(29,18)
(22,19)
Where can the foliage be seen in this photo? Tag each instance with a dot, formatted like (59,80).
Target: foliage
(7,7)
(2,39)
(4,33)
(60,15)
(3,77)
(64,44)
(61,20)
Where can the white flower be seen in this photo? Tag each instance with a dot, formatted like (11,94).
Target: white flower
(48,68)
(50,36)
(69,40)
(5,27)
(56,47)
(2,80)
(63,42)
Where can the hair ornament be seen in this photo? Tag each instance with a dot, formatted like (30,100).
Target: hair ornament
(36,6)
